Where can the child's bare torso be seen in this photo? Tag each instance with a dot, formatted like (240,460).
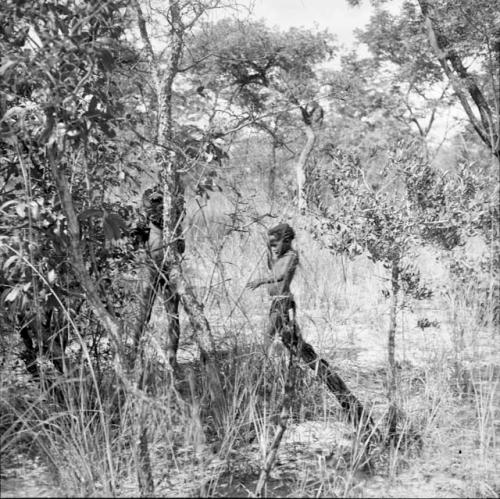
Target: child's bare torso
(285,265)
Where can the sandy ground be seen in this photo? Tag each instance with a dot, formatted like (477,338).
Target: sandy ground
(314,452)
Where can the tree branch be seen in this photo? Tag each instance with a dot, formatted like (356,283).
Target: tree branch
(458,75)
(91,292)
(141,21)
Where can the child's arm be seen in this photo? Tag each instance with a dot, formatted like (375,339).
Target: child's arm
(288,265)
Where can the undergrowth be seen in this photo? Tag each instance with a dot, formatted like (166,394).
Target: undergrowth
(86,428)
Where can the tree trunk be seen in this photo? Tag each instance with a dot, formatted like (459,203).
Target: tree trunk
(203,336)
(168,251)
(138,310)
(391,343)
(312,116)
(164,252)
(487,125)
(144,468)
(272,171)
(108,321)
(286,406)
(300,168)
(167,254)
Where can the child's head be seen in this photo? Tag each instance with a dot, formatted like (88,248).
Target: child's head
(280,238)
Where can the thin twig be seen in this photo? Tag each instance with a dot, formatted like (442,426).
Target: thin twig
(286,405)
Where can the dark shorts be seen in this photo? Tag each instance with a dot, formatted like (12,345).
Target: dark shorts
(282,322)
(282,318)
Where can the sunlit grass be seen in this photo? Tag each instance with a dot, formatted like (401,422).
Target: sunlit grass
(203,443)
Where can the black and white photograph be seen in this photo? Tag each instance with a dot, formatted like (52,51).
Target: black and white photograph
(250,248)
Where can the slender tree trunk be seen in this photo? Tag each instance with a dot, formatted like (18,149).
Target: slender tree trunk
(167,252)
(391,344)
(171,303)
(300,167)
(145,468)
(272,171)
(173,187)
(172,281)
(176,290)
(312,116)
(110,324)
(203,336)
(141,305)
(286,406)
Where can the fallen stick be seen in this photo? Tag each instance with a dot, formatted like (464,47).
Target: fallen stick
(350,404)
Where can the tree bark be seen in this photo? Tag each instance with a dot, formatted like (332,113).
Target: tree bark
(272,171)
(109,322)
(167,254)
(286,406)
(144,469)
(312,116)
(300,168)
(487,127)
(391,345)
(173,188)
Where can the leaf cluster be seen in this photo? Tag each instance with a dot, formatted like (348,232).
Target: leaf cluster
(406,201)
(253,57)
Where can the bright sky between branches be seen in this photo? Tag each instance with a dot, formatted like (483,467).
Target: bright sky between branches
(336,15)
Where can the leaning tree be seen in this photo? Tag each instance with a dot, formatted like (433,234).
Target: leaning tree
(433,41)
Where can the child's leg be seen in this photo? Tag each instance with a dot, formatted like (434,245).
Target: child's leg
(274,328)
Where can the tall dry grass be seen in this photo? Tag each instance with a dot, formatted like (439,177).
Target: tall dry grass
(204,443)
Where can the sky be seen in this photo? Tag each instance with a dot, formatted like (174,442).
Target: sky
(336,15)
(339,18)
